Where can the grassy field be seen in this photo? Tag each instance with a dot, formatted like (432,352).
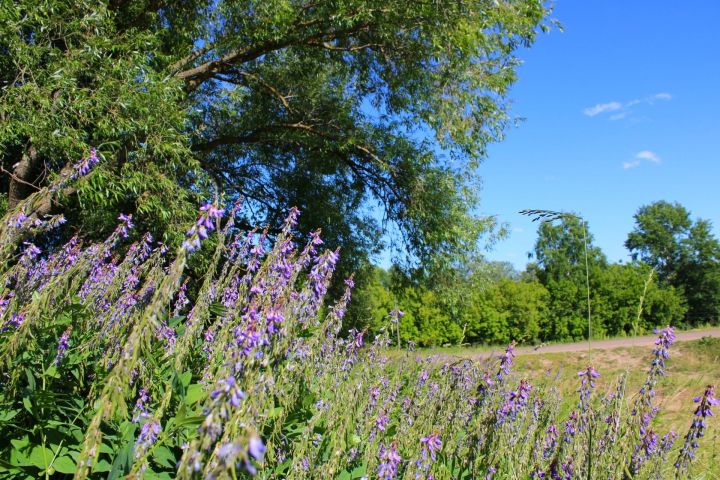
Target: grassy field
(692,365)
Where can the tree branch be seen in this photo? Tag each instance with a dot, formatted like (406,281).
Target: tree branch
(195,76)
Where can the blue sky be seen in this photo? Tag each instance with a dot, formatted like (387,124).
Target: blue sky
(620,109)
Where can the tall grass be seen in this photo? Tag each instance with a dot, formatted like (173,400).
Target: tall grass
(110,368)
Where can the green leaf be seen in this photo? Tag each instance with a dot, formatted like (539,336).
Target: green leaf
(8,415)
(359,471)
(191,421)
(218,309)
(31,380)
(124,460)
(102,466)
(275,412)
(64,465)
(195,393)
(41,456)
(163,456)
(27,404)
(20,444)
(185,378)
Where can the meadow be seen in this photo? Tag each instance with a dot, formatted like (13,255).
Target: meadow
(694,364)
(111,368)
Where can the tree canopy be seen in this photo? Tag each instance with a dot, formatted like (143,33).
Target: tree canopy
(335,107)
(685,253)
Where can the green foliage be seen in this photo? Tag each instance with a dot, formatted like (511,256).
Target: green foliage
(76,79)
(623,290)
(685,253)
(488,302)
(335,107)
(508,311)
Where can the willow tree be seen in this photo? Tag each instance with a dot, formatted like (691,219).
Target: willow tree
(360,112)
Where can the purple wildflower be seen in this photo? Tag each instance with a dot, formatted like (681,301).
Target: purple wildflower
(148,435)
(550,441)
(381,422)
(204,224)
(661,351)
(570,427)
(82,168)
(491,471)
(644,404)
(14,322)
(229,390)
(181,301)
(395,315)
(227,454)
(291,220)
(506,361)
(140,405)
(515,400)
(389,462)
(587,383)
(431,444)
(697,428)
(17,220)
(126,224)
(62,345)
(667,442)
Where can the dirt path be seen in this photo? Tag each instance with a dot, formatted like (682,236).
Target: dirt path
(645,341)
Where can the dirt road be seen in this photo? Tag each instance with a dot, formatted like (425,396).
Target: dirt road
(645,341)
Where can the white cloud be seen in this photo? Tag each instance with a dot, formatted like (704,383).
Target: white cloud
(624,109)
(629,165)
(602,108)
(644,155)
(648,155)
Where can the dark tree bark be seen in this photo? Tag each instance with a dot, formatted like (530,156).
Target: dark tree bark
(24,174)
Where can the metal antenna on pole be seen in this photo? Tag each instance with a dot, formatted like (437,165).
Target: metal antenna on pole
(551,216)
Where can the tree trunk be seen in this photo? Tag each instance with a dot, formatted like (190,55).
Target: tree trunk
(24,172)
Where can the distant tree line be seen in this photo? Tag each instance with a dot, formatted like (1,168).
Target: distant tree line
(673,278)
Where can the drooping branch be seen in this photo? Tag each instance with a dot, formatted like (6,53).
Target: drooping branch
(373,179)
(195,76)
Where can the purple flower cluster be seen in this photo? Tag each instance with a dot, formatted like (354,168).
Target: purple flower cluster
(261,320)
(666,337)
(229,390)
(587,384)
(17,220)
(697,428)
(431,444)
(147,438)
(203,226)
(644,404)
(62,346)
(141,410)
(506,361)
(515,401)
(125,225)
(395,315)
(82,168)
(389,462)
(14,322)
(551,438)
